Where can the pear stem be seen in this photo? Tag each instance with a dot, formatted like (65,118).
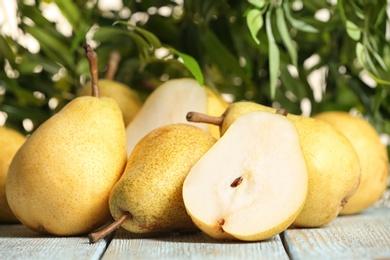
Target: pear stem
(197,117)
(112,66)
(93,67)
(96,236)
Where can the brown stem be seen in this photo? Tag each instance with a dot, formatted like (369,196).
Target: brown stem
(93,67)
(112,66)
(96,236)
(281,111)
(203,118)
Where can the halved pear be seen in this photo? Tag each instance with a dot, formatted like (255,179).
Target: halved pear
(169,103)
(252,183)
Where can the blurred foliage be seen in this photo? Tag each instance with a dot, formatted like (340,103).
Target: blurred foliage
(256,50)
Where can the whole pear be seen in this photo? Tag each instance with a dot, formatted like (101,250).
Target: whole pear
(150,189)
(127,98)
(332,163)
(372,156)
(10,142)
(59,181)
(169,104)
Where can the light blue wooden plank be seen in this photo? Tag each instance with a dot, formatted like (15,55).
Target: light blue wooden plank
(17,242)
(361,236)
(190,246)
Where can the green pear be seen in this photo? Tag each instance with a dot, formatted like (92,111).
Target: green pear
(332,163)
(169,104)
(10,142)
(128,99)
(148,197)
(60,179)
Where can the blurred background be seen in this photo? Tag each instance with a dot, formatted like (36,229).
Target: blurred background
(307,56)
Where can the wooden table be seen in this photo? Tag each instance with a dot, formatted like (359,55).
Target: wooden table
(362,236)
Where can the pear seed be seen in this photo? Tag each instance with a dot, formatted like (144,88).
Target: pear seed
(236,182)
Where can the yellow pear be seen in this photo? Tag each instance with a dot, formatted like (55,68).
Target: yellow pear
(332,163)
(10,142)
(128,99)
(148,197)
(169,104)
(372,154)
(252,183)
(60,179)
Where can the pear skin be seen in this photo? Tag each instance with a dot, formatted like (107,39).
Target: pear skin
(60,179)
(150,190)
(10,142)
(372,155)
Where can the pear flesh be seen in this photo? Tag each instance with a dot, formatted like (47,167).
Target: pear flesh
(10,142)
(252,183)
(59,181)
(150,190)
(169,104)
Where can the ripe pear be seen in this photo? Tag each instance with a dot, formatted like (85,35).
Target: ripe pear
(372,155)
(10,142)
(252,183)
(169,104)
(60,179)
(148,197)
(332,163)
(128,99)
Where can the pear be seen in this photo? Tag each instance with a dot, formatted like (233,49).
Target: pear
(169,104)
(332,163)
(128,99)
(148,197)
(60,179)
(252,183)
(10,141)
(372,155)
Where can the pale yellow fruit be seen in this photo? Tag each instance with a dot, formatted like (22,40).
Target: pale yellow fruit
(332,163)
(128,99)
(372,156)
(10,142)
(150,189)
(216,106)
(252,183)
(59,181)
(169,104)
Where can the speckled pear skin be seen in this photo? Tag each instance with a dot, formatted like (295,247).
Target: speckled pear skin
(151,186)
(10,142)
(60,179)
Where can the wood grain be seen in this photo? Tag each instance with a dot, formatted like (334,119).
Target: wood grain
(190,246)
(17,242)
(362,236)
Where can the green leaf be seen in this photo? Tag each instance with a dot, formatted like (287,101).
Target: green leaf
(273,55)
(6,50)
(150,37)
(352,30)
(297,24)
(191,64)
(52,46)
(254,20)
(72,13)
(284,33)
(258,3)
(220,55)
